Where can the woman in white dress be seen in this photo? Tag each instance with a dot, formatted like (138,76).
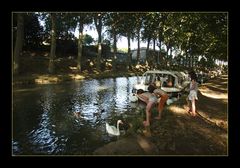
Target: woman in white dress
(192,97)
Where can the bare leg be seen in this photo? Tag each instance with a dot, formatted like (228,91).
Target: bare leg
(188,104)
(148,113)
(161,105)
(193,107)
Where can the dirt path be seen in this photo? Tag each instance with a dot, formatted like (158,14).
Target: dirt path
(178,133)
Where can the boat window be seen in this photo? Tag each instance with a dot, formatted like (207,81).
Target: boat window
(150,78)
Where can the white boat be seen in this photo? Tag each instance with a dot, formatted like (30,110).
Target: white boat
(172,82)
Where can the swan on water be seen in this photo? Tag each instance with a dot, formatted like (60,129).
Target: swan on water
(112,129)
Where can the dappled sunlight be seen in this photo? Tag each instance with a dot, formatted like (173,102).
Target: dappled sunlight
(108,65)
(213,94)
(177,110)
(96,72)
(45,79)
(76,76)
(145,145)
(141,67)
(72,67)
(216,87)
(216,138)
(224,83)
(222,123)
(225,101)
(224,77)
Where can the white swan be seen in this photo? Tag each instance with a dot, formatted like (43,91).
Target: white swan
(112,129)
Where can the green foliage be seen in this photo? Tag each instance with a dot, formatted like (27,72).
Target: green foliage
(193,34)
(33,31)
(87,40)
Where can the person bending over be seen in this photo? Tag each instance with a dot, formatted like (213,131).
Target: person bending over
(151,99)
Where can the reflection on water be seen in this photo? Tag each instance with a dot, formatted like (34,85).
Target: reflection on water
(69,118)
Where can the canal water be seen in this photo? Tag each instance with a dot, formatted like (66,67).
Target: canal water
(68,118)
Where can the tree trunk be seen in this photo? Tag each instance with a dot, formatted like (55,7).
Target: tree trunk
(154,43)
(160,58)
(129,60)
(138,49)
(167,59)
(114,50)
(186,59)
(99,55)
(98,24)
(147,51)
(80,46)
(18,43)
(170,57)
(53,44)
(189,60)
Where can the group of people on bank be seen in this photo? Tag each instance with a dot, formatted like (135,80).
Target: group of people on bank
(155,96)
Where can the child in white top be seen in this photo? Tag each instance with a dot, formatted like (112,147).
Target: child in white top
(192,96)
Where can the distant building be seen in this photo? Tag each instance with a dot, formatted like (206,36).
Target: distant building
(142,54)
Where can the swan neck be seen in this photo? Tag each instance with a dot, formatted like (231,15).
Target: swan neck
(118,127)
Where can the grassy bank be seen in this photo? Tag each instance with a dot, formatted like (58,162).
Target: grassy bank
(61,77)
(33,69)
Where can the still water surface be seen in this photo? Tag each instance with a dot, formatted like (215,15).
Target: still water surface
(68,118)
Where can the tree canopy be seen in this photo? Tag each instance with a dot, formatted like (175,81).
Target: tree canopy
(193,35)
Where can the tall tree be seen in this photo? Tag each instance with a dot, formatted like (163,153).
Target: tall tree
(53,43)
(18,43)
(127,29)
(138,26)
(33,31)
(114,22)
(150,25)
(83,18)
(98,21)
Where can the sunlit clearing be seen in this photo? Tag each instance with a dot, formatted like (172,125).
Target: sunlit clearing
(211,94)
(177,109)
